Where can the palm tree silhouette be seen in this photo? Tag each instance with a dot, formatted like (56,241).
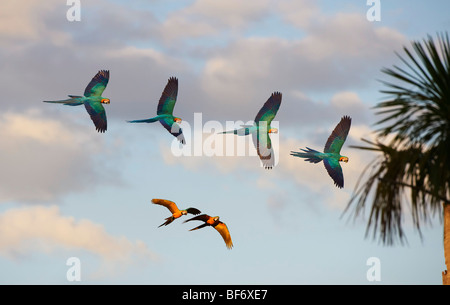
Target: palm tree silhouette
(412,171)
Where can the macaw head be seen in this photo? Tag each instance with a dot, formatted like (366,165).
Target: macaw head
(273,130)
(343,159)
(105,101)
(177,120)
(183,212)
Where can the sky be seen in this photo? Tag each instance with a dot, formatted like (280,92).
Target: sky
(68,191)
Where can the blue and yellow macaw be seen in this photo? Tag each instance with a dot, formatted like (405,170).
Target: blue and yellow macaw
(261,129)
(216,224)
(173,208)
(165,111)
(331,155)
(92,100)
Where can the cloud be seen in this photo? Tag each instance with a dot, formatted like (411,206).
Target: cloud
(301,13)
(22,23)
(26,230)
(42,159)
(343,52)
(204,18)
(336,53)
(197,157)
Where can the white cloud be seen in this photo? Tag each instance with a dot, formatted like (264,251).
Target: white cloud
(25,21)
(43,158)
(26,230)
(226,162)
(346,99)
(206,18)
(342,53)
(299,12)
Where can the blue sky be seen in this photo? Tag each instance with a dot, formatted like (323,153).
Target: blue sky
(68,191)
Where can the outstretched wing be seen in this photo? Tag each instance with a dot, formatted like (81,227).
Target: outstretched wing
(225,233)
(203,217)
(167,203)
(98,115)
(193,211)
(338,136)
(269,109)
(168,97)
(97,84)
(173,128)
(263,145)
(334,169)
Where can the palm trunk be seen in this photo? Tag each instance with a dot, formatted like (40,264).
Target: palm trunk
(446,274)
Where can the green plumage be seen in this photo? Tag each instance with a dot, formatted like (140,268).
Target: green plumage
(97,84)
(164,110)
(261,129)
(269,110)
(92,100)
(338,136)
(168,97)
(331,155)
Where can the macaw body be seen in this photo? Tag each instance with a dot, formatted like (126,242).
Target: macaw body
(176,212)
(92,100)
(261,128)
(216,224)
(331,155)
(165,111)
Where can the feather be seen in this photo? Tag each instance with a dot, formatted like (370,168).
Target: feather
(98,84)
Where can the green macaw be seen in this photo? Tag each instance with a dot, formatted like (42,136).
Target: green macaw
(92,100)
(261,128)
(165,111)
(331,155)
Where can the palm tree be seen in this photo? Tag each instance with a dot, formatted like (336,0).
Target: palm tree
(413,169)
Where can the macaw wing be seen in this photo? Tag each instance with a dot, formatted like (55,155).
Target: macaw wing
(263,145)
(173,128)
(202,217)
(98,115)
(168,97)
(338,136)
(97,84)
(167,203)
(225,233)
(269,109)
(193,211)
(334,169)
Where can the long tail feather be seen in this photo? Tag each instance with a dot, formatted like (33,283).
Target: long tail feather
(73,101)
(151,120)
(168,220)
(309,155)
(229,131)
(240,132)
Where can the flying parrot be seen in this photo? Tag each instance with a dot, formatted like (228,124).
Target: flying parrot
(165,111)
(92,100)
(176,213)
(261,128)
(216,224)
(331,155)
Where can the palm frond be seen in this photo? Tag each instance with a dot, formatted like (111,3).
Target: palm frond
(413,169)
